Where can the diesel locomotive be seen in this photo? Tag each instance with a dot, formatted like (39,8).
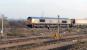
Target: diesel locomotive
(42,22)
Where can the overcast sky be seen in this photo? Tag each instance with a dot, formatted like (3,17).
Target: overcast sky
(47,8)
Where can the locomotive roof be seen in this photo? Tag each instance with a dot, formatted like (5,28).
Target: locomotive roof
(48,18)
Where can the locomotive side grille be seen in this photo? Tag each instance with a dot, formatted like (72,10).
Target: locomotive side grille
(64,21)
(42,20)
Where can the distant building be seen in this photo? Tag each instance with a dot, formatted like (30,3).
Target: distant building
(81,21)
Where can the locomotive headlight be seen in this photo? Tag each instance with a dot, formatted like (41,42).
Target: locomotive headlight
(34,21)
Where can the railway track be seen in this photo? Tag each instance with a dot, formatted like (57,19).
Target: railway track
(29,44)
(59,46)
(22,39)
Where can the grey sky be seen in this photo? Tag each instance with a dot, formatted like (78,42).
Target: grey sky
(49,8)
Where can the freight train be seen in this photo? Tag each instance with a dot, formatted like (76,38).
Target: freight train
(42,22)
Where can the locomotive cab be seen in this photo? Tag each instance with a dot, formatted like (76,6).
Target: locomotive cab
(29,22)
(72,23)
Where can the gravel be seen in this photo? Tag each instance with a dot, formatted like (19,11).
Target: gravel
(79,46)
